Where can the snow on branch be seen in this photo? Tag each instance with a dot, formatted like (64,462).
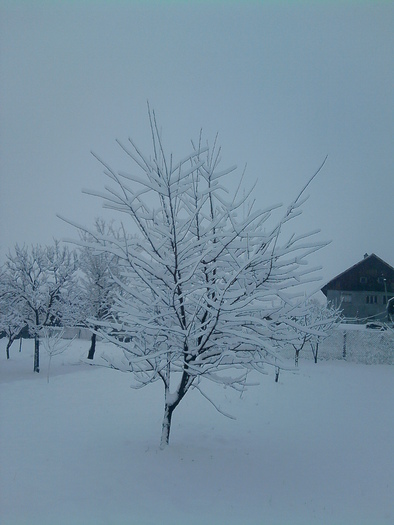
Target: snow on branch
(208,284)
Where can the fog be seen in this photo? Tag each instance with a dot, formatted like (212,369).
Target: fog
(283,84)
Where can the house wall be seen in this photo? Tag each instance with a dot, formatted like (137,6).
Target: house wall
(363,290)
(361,304)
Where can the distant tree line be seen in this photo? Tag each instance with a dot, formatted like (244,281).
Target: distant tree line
(55,286)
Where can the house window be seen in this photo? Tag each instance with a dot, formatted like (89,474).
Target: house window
(372,299)
(381,280)
(346,298)
(363,280)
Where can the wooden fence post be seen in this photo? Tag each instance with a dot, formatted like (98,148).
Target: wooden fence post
(344,345)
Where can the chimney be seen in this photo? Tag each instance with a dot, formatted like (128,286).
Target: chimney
(365,255)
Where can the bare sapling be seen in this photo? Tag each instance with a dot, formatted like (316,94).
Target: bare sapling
(54,344)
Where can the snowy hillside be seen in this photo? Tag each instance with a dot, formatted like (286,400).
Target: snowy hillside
(83,449)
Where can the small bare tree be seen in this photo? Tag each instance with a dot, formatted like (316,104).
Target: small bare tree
(325,318)
(208,286)
(54,344)
(317,323)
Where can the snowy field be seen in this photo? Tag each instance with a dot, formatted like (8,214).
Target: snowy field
(316,448)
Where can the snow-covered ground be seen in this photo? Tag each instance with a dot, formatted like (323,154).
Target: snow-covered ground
(315,448)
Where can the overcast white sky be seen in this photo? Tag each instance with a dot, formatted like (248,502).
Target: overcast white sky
(283,83)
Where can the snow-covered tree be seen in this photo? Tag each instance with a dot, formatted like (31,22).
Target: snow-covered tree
(209,285)
(38,283)
(314,326)
(11,319)
(325,318)
(97,284)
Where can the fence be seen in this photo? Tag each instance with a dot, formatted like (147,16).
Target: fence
(353,343)
(77,332)
(357,344)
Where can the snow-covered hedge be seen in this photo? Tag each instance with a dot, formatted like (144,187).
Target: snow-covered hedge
(358,344)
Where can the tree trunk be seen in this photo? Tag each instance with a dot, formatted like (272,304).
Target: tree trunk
(9,343)
(166,427)
(49,367)
(171,402)
(36,353)
(316,352)
(92,348)
(296,357)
